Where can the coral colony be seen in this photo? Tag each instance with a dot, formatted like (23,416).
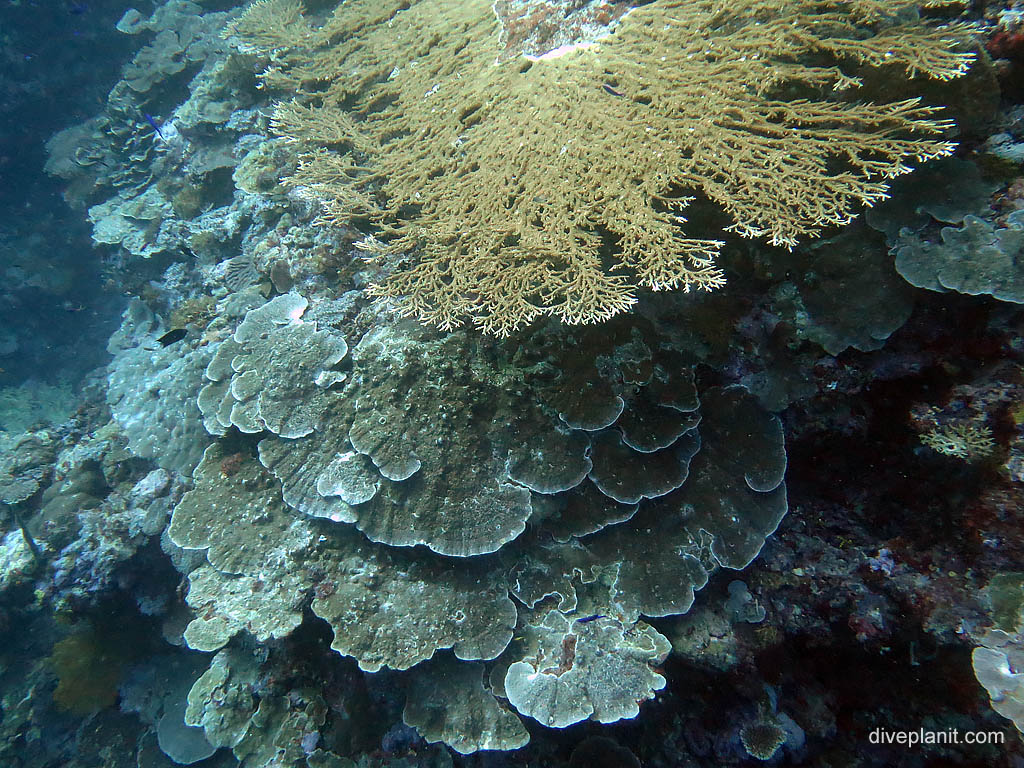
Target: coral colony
(418,440)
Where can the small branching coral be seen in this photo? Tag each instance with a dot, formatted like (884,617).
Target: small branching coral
(520,187)
(964,441)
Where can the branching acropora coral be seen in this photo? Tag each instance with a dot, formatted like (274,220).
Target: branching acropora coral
(964,441)
(518,187)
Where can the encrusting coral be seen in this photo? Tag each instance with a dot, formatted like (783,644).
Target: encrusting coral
(516,187)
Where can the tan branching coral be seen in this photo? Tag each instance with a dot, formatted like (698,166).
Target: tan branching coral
(523,187)
(969,442)
(270,25)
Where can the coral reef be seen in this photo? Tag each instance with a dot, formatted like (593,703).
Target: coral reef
(996,662)
(286,527)
(762,739)
(89,666)
(385,468)
(597,669)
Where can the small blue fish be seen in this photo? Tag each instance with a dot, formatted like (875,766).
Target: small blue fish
(156,127)
(588,619)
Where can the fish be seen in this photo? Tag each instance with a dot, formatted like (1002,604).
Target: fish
(172,336)
(588,619)
(612,91)
(156,126)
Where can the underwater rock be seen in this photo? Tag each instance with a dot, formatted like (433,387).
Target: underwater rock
(88,568)
(26,460)
(17,562)
(602,752)
(706,636)
(538,27)
(743,606)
